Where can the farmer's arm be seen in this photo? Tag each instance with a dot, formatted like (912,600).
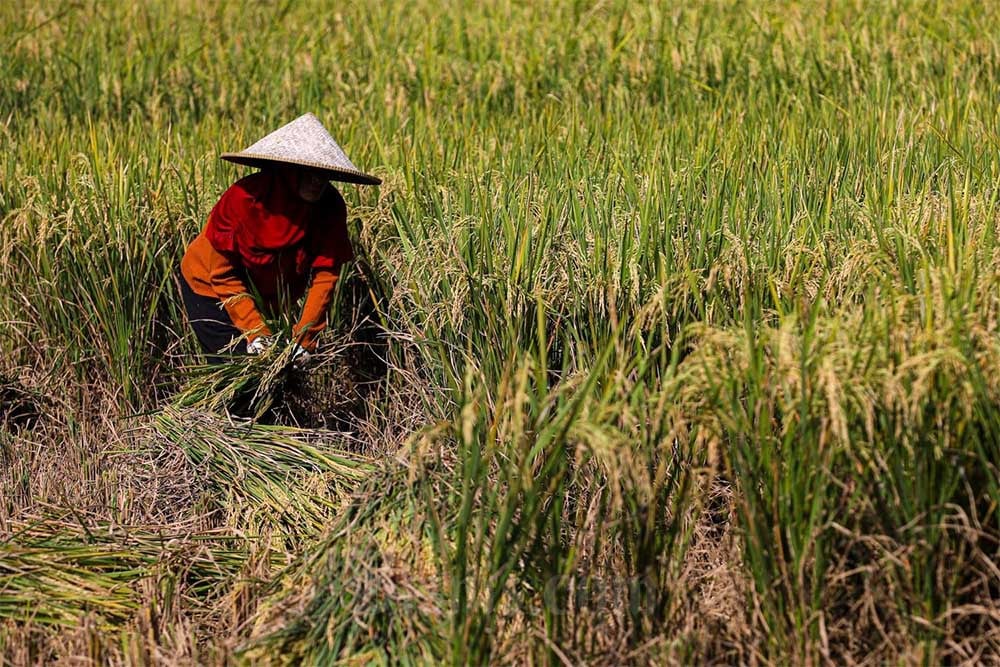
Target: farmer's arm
(214,274)
(333,250)
(318,299)
(235,297)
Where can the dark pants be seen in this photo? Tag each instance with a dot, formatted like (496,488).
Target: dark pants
(212,325)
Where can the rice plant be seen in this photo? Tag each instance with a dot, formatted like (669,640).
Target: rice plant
(682,322)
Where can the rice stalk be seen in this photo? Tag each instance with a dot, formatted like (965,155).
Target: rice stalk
(56,573)
(269,474)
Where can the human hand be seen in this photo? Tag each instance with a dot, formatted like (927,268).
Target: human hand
(260,344)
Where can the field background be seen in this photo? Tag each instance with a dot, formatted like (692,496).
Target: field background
(673,336)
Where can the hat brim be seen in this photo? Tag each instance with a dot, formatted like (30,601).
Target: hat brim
(333,173)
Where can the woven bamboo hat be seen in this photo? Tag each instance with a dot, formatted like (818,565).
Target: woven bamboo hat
(306,142)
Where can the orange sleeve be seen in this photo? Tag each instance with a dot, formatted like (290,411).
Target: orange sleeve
(332,247)
(318,299)
(239,303)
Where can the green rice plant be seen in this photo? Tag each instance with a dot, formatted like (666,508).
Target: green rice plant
(497,506)
(99,297)
(933,453)
(780,411)
(531,459)
(863,460)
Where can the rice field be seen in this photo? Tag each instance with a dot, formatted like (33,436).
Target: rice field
(673,337)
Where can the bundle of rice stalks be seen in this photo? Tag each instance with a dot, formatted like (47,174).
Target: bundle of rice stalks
(249,387)
(54,572)
(369,591)
(271,474)
(321,391)
(60,585)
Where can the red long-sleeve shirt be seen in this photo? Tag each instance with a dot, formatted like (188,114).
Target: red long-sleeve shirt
(262,232)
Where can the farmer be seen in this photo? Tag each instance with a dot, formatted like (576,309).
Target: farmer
(273,236)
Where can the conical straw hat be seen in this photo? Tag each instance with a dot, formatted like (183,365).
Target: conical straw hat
(303,141)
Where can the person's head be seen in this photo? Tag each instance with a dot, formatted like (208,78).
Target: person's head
(309,183)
